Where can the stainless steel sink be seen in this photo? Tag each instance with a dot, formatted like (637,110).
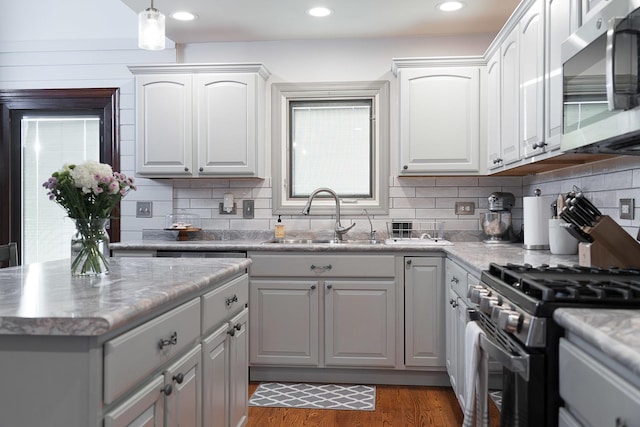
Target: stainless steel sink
(322,241)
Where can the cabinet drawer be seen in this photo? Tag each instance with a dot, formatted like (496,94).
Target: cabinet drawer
(338,265)
(223,302)
(457,277)
(584,381)
(134,355)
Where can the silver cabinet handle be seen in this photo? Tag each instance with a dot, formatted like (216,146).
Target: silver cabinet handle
(231,300)
(173,340)
(320,268)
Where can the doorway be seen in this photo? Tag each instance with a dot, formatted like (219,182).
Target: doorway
(40,131)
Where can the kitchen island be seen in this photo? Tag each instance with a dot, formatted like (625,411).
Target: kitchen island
(94,351)
(599,367)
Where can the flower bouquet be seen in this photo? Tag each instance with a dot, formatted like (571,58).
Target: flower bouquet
(88,192)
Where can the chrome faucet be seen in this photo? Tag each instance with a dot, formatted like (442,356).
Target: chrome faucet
(372,234)
(339,230)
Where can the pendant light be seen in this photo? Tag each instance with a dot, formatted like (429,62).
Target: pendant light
(151,29)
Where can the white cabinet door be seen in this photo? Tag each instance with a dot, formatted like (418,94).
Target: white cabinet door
(143,409)
(239,369)
(215,375)
(360,323)
(439,119)
(451,340)
(510,99)
(164,125)
(494,147)
(183,405)
(284,322)
(227,126)
(531,46)
(560,23)
(424,312)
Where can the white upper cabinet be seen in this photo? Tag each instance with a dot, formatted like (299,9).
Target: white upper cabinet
(228,139)
(439,118)
(510,99)
(494,146)
(531,46)
(200,120)
(561,21)
(164,128)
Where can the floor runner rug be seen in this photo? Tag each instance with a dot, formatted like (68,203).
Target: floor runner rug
(315,396)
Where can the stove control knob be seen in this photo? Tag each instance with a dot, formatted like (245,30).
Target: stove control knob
(476,292)
(488,302)
(510,321)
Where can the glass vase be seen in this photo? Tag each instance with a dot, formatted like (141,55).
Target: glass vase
(90,247)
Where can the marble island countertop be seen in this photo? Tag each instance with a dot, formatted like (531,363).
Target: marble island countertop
(614,332)
(44,299)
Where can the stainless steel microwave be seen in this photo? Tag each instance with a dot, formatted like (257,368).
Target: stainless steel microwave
(601,87)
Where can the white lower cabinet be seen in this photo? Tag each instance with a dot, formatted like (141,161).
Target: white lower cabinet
(424,314)
(327,318)
(596,390)
(360,323)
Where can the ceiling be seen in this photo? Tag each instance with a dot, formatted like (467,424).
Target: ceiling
(261,20)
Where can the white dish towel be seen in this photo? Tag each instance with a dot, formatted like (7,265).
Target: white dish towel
(476,378)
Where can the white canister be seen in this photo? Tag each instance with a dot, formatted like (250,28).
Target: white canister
(560,241)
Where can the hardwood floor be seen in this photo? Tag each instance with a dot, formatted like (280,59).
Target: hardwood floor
(396,406)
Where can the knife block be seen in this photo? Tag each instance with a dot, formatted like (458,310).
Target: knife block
(611,246)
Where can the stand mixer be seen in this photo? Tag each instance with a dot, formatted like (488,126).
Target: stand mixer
(496,224)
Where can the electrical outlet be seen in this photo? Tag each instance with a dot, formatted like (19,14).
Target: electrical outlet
(465,208)
(626,208)
(144,209)
(247,209)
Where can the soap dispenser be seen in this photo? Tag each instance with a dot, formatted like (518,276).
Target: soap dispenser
(279,233)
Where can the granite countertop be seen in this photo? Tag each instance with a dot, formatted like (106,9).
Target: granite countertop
(614,332)
(475,255)
(44,299)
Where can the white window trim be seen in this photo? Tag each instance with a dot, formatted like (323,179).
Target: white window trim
(281,94)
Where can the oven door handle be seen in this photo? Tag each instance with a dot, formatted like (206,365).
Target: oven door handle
(516,364)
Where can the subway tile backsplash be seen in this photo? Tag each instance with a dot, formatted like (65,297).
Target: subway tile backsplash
(411,198)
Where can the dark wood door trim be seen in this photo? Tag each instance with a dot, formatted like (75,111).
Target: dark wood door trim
(13,102)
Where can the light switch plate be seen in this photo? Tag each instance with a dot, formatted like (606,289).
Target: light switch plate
(144,209)
(247,209)
(626,208)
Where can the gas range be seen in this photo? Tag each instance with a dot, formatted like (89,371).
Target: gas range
(519,299)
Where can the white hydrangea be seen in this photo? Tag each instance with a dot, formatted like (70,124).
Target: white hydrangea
(89,174)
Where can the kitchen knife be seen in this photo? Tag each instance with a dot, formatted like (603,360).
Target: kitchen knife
(580,235)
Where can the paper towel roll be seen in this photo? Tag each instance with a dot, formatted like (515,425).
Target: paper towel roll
(536,224)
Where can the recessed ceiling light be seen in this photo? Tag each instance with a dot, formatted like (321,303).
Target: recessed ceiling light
(183,16)
(450,6)
(319,12)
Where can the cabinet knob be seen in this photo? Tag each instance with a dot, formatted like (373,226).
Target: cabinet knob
(201,169)
(313,287)
(539,145)
(620,422)
(405,167)
(173,340)
(408,262)
(238,326)
(167,389)
(232,332)
(498,160)
(186,169)
(178,378)
(329,286)
(454,279)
